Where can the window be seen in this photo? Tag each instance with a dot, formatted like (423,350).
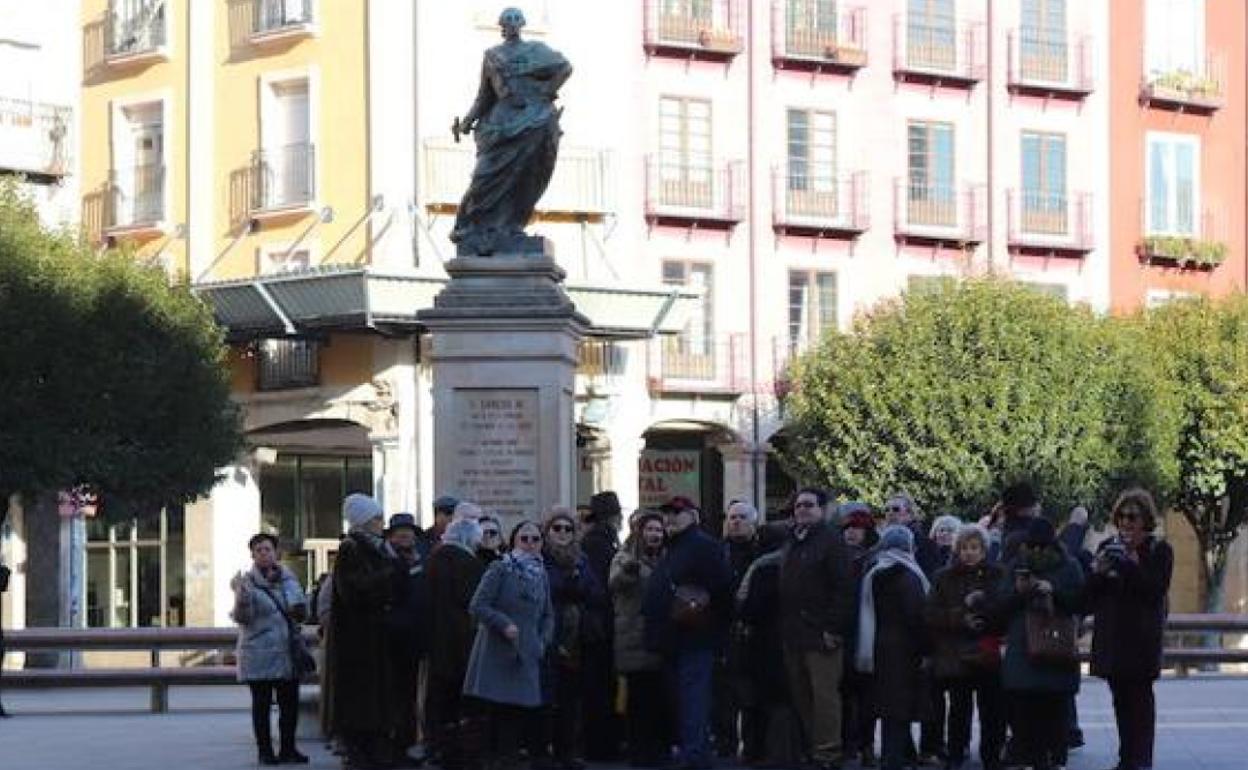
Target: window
(1174,37)
(691,353)
(811,27)
(277,14)
(930,190)
(1173,184)
(685,20)
(812,307)
(931,34)
(685,151)
(135,26)
(277,259)
(285,164)
(138,176)
(286,363)
(1043,47)
(301,495)
(811,151)
(1044,183)
(135,571)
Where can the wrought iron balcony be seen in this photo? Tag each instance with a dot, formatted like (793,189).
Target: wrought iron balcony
(34,138)
(283,178)
(1051,224)
(951,214)
(136,197)
(286,364)
(135,30)
(580,189)
(1199,245)
(801,43)
(1047,67)
(687,363)
(1202,90)
(950,54)
(272,19)
(694,192)
(700,29)
(820,205)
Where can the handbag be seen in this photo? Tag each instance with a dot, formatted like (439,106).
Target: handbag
(691,606)
(1051,638)
(300,656)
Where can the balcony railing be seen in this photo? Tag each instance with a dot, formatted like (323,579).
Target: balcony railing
(137,197)
(598,359)
(283,364)
(951,213)
(1200,90)
(838,41)
(283,177)
(1052,223)
(689,363)
(579,189)
(134,28)
(711,29)
(820,205)
(694,191)
(270,17)
(1052,67)
(1203,248)
(34,137)
(950,54)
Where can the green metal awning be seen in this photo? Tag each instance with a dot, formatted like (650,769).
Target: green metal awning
(346,298)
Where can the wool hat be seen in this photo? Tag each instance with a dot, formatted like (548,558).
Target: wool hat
(1040,532)
(848,509)
(898,538)
(445,503)
(359,509)
(860,518)
(603,506)
(400,520)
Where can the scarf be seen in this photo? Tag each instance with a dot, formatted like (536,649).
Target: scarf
(864,659)
(529,566)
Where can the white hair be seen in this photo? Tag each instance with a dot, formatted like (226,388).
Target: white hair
(747,510)
(968,531)
(465,533)
(467,510)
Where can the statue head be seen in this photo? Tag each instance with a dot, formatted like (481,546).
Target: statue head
(510,21)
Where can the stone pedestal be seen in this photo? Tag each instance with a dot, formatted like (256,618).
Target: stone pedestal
(504,352)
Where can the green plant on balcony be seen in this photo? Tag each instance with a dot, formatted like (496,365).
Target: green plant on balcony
(1191,84)
(1190,252)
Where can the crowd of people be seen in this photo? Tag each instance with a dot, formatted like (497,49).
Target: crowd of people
(777,644)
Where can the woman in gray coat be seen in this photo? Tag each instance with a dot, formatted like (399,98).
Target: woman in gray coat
(515,625)
(269,605)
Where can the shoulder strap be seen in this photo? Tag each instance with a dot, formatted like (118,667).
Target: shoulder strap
(273,598)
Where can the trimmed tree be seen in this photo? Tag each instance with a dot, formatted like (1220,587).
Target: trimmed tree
(112,378)
(952,392)
(1200,351)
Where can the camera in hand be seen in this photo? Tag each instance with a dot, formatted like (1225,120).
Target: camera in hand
(1114,550)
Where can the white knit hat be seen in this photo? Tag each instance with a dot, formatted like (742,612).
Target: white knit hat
(359,509)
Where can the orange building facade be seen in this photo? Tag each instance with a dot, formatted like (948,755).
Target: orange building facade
(1177,150)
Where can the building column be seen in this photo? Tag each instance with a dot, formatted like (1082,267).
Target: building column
(741,462)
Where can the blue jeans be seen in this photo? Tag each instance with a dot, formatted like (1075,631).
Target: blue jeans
(693,694)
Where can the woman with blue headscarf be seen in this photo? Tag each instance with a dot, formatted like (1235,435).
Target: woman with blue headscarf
(893,641)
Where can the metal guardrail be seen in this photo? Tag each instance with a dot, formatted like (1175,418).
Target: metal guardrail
(159,678)
(153,640)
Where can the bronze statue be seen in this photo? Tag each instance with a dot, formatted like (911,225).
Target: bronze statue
(517,133)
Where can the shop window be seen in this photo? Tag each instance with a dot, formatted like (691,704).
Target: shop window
(301,495)
(135,571)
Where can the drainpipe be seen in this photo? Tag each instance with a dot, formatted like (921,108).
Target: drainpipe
(992,190)
(751,223)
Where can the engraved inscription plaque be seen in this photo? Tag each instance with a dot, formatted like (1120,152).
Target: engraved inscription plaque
(496,444)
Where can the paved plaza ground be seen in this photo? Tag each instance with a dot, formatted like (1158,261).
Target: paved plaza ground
(1202,724)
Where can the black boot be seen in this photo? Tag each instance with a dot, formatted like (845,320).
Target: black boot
(266,756)
(289,755)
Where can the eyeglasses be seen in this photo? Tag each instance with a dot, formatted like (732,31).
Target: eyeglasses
(561,528)
(893,509)
(489,533)
(529,538)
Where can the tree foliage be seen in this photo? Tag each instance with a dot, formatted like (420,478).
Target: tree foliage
(109,376)
(953,392)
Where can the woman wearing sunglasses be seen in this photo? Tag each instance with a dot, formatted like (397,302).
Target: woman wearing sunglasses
(1127,593)
(491,548)
(579,602)
(515,626)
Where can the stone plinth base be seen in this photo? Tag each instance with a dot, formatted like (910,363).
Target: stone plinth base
(505,339)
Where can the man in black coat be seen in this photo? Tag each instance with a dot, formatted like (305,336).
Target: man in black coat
(407,626)
(686,610)
(600,544)
(816,612)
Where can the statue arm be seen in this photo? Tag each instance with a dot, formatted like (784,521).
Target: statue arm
(485,98)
